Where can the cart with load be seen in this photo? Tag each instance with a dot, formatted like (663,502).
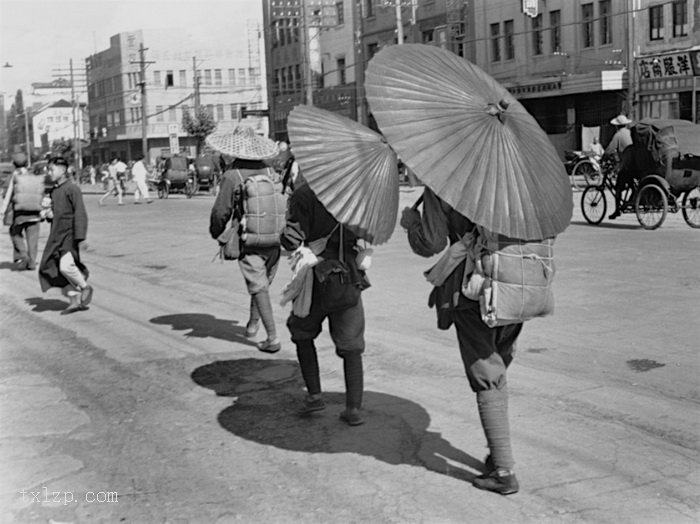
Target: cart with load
(665,161)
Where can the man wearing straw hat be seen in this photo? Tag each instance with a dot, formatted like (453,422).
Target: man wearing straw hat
(258,264)
(621,140)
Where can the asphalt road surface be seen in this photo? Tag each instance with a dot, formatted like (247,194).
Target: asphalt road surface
(153,407)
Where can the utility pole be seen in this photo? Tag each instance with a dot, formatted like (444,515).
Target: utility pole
(75,109)
(77,157)
(144,106)
(196,83)
(399,22)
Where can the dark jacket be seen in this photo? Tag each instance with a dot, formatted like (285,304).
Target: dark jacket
(68,229)
(428,235)
(228,203)
(308,220)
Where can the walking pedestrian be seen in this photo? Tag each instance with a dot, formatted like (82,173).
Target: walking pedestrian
(114,185)
(486,352)
(139,173)
(258,264)
(336,295)
(24,194)
(61,264)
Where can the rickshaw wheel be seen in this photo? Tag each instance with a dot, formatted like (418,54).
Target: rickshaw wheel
(651,206)
(691,207)
(588,171)
(594,206)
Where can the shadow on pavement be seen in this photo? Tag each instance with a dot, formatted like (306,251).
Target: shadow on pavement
(267,393)
(8,265)
(46,304)
(606,225)
(201,325)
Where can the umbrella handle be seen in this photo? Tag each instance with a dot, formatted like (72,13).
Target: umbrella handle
(418,203)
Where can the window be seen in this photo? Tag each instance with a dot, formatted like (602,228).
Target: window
(587,24)
(219,111)
(183,78)
(232,77)
(372,50)
(207,77)
(508,40)
(496,42)
(217,77)
(656,22)
(234,111)
(117,118)
(340,10)
(555,31)
(241,76)
(295,29)
(680,18)
(282,33)
(536,35)
(369,8)
(159,113)
(169,79)
(156,77)
(605,22)
(427,37)
(340,66)
(210,110)
(297,73)
(172,114)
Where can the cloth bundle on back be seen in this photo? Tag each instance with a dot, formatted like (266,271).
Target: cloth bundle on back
(497,191)
(258,256)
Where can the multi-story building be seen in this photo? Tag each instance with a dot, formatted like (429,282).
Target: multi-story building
(667,59)
(574,64)
(322,34)
(180,72)
(56,121)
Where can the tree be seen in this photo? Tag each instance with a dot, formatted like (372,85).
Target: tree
(62,147)
(199,125)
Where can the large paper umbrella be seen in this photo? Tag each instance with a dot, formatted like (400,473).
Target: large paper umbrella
(469,140)
(243,143)
(350,168)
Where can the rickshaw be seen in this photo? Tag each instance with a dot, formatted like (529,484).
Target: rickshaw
(665,157)
(207,173)
(176,177)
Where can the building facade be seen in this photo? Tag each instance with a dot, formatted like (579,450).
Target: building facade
(667,59)
(56,121)
(179,72)
(574,64)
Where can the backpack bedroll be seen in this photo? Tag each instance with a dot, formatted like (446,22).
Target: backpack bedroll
(264,210)
(518,278)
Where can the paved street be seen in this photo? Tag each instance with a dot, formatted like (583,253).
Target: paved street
(153,407)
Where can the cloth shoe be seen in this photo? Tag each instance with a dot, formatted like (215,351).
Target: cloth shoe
(501,481)
(352,417)
(270,346)
(86,295)
(614,215)
(311,404)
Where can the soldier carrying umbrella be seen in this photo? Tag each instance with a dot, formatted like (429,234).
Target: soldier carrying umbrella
(348,175)
(484,160)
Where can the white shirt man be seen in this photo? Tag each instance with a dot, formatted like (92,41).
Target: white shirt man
(139,172)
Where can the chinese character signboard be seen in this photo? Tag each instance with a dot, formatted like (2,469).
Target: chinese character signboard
(675,65)
(530,8)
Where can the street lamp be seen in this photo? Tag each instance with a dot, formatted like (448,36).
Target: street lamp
(24,113)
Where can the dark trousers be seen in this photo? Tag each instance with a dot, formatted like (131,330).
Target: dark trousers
(25,241)
(486,352)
